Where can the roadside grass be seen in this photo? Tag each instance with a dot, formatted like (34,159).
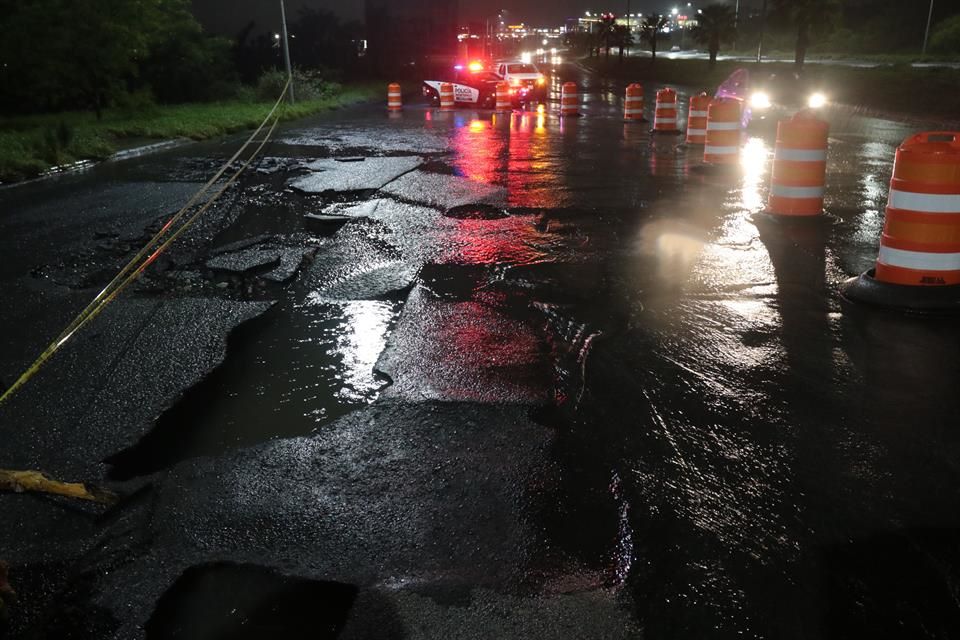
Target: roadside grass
(30,145)
(896,88)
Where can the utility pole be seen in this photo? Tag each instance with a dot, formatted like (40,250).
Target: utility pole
(926,35)
(286,49)
(763,26)
(736,25)
(628,23)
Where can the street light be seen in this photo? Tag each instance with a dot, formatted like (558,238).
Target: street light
(926,35)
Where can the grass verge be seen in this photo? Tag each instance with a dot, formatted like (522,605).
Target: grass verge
(898,88)
(30,145)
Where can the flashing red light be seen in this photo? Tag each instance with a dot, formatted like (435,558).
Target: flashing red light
(476,66)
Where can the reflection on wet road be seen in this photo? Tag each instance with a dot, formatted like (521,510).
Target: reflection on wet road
(709,443)
(757,461)
(738,441)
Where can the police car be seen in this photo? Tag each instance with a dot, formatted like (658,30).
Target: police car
(473,86)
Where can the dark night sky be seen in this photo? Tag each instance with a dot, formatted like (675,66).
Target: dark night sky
(229,16)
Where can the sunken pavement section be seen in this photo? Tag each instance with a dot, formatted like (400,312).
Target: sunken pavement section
(407,516)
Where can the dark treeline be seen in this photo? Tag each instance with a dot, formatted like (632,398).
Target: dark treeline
(60,55)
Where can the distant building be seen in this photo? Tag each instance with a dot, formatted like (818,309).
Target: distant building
(402,32)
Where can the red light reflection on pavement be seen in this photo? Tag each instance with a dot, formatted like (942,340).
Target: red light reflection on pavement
(515,153)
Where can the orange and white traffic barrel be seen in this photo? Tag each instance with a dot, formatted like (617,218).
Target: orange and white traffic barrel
(665,117)
(697,119)
(633,104)
(799,166)
(503,97)
(722,145)
(394,97)
(569,100)
(919,263)
(447,102)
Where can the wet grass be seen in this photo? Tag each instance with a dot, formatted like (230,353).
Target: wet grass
(30,145)
(891,88)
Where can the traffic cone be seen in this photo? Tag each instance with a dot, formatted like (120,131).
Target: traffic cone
(633,104)
(665,116)
(723,133)
(918,268)
(503,97)
(569,100)
(799,167)
(394,97)
(697,119)
(447,102)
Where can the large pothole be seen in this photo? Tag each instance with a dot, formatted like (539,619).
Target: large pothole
(298,368)
(220,601)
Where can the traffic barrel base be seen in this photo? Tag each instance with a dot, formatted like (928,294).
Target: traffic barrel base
(866,289)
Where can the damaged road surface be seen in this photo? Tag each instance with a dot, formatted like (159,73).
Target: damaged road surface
(465,375)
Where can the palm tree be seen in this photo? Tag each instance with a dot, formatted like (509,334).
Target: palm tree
(650,30)
(622,38)
(716,23)
(608,24)
(807,15)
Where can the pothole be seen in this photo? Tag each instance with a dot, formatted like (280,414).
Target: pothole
(286,375)
(243,602)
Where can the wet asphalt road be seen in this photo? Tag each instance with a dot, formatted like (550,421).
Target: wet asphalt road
(526,378)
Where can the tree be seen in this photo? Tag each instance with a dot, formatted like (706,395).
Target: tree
(808,17)
(650,30)
(716,24)
(608,24)
(622,38)
(946,36)
(319,40)
(87,54)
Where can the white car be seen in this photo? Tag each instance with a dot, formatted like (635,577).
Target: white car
(523,77)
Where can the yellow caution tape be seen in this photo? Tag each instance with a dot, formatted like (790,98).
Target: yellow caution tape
(148,254)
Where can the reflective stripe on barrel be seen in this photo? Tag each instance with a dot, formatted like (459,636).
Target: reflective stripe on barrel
(723,132)
(665,117)
(569,100)
(920,245)
(394,97)
(447,101)
(633,104)
(503,97)
(799,166)
(697,119)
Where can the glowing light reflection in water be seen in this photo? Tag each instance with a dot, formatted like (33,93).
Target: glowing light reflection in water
(358,340)
(754,159)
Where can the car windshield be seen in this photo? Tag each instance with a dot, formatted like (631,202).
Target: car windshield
(522,68)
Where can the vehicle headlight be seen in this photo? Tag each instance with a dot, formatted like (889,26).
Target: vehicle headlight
(760,100)
(817,100)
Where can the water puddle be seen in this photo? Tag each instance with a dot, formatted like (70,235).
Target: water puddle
(286,375)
